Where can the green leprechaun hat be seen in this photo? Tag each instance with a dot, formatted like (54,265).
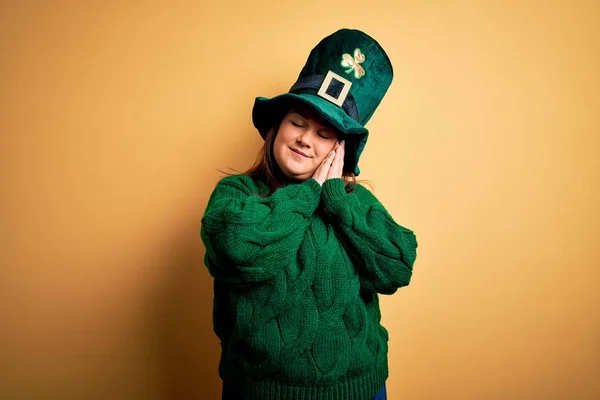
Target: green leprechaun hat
(344,79)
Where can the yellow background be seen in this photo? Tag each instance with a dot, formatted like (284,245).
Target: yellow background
(115,116)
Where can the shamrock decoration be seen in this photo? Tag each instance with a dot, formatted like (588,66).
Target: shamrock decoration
(353,63)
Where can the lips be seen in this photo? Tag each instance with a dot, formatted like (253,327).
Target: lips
(299,152)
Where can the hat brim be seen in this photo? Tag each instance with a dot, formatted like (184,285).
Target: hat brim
(267,112)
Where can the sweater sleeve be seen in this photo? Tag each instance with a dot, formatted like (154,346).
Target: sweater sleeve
(383,250)
(248,238)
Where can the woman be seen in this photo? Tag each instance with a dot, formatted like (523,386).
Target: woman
(298,250)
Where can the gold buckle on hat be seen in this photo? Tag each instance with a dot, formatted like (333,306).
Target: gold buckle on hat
(339,101)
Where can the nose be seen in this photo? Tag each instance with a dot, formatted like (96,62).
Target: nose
(305,138)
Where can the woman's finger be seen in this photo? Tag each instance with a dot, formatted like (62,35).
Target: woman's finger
(340,162)
(334,170)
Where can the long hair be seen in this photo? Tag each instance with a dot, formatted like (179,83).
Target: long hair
(265,166)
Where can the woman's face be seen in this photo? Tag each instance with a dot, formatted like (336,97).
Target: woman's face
(302,142)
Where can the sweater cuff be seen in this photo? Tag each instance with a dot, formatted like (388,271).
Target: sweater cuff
(334,189)
(311,192)
(314,185)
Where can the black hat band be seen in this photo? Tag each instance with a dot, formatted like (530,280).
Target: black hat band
(333,91)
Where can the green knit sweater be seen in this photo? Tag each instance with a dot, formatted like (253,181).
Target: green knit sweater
(296,277)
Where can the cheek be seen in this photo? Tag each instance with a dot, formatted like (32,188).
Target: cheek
(277,150)
(285,134)
(278,143)
(323,150)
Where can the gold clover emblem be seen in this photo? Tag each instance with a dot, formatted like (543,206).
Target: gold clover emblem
(353,63)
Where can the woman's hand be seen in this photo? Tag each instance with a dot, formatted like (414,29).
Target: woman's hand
(337,166)
(332,166)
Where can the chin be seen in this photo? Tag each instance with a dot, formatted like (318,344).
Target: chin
(293,169)
(298,175)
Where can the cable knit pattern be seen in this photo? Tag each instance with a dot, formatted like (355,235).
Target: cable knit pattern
(296,282)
